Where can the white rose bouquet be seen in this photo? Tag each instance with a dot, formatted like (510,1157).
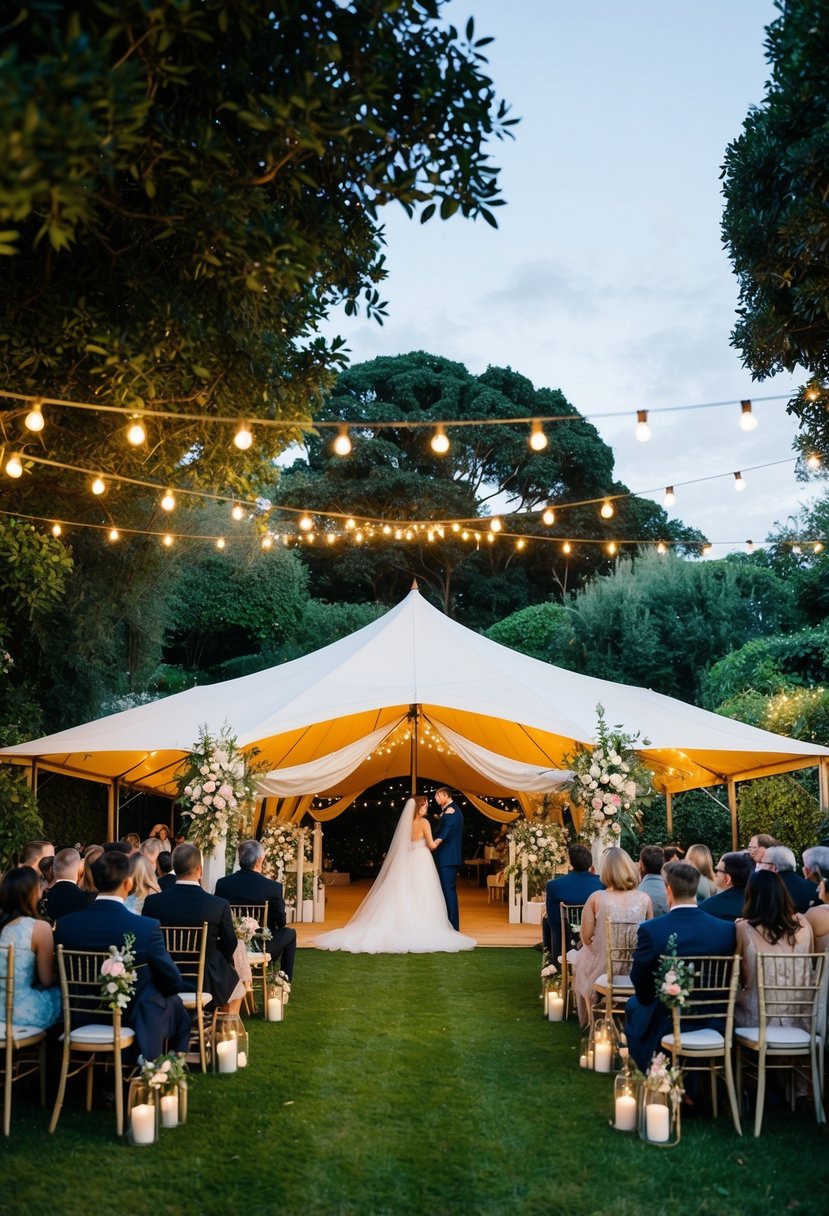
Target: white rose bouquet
(610,783)
(216,789)
(539,849)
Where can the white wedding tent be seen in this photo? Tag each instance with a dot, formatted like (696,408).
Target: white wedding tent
(414,693)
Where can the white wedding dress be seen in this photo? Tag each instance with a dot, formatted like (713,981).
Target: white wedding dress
(404,912)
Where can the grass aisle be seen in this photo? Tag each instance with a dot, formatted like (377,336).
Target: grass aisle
(403,1085)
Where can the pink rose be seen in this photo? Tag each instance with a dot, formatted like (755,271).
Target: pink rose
(616,800)
(113,967)
(674,990)
(225,790)
(597,804)
(209,787)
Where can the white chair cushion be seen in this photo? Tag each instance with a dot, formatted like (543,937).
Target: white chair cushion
(619,981)
(188,999)
(776,1036)
(99,1033)
(257,958)
(696,1040)
(19,1033)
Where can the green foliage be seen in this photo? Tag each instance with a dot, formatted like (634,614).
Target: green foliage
(33,570)
(540,630)
(780,806)
(73,811)
(775,223)
(321,624)
(697,819)
(19,817)
(769,665)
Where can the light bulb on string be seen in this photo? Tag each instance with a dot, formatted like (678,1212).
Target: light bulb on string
(350,525)
(817,548)
(267,541)
(387,529)
(331,538)
(306,523)
(813,461)
(548,517)
(342,444)
(706,550)
(490,537)
(34,420)
(797,549)
(14,466)
(661,548)
(238,511)
(538,440)
(739,482)
(495,525)
(456,527)
(358,536)
(56,529)
(243,437)
(440,441)
(812,392)
(520,544)
(136,435)
(642,431)
(114,534)
(168,502)
(98,487)
(670,496)
(567,547)
(607,511)
(220,542)
(168,540)
(748,421)
(612,548)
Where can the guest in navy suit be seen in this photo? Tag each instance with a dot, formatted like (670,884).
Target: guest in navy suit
(449,851)
(155,1013)
(66,896)
(573,888)
(777,858)
(250,886)
(646,1018)
(731,874)
(164,870)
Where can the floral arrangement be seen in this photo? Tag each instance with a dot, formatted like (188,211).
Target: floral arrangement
(246,928)
(675,977)
(118,975)
(166,1073)
(281,842)
(548,969)
(609,782)
(215,789)
(278,979)
(539,849)
(664,1078)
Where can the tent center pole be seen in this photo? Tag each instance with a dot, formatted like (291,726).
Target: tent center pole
(414,711)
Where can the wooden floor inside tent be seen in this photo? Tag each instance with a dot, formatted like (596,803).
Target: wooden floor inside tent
(486,922)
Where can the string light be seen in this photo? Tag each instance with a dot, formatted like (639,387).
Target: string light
(612,548)
(818,548)
(739,482)
(34,419)
(168,540)
(331,538)
(796,549)
(607,511)
(114,534)
(56,529)
(306,523)
(350,525)
(243,437)
(168,502)
(661,548)
(238,511)
(495,525)
(812,393)
(220,543)
(706,550)
(358,537)
(643,431)
(520,544)
(548,517)
(440,441)
(813,460)
(267,541)
(670,496)
(136,435)
(748,422)
(342,444)
(14,468)
(98,486)
(567,547)
(538,440)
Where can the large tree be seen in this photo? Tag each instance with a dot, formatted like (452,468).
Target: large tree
(775,224)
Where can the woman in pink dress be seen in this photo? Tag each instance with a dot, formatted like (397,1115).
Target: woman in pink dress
(769,925)
(624,903)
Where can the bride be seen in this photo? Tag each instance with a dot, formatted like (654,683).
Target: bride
(404,912)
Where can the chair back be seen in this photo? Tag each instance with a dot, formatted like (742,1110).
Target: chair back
(80,988)
(490,852)
(790,991)
(7,990)
(713,996)
(257,912)
(187,947)
(620,943)
(571,915)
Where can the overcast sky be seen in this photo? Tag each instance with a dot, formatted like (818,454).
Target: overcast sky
(607,277)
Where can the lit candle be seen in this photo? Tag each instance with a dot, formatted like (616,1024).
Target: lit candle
(590,1059)
(226,1055)
(242,1059)
(604,1056)
(555,1008)
(274,1009)
(169,1110)
(582,1061)
(625,1113)
(142,1121)
(657,1122)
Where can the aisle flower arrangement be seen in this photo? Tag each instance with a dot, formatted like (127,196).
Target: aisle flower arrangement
(539,849)
(118,976)
(674,976)
(610,783)
(281,842)
(216,790)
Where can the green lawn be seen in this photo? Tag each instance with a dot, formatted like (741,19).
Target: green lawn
(403,1085)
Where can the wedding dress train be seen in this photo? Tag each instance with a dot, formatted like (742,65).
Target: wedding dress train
(404,912)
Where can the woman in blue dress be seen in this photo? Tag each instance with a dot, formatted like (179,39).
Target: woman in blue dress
(37,1001)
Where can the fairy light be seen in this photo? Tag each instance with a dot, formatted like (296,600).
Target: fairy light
(748,421)
(306,523)
(56,529)
(98,486)
(14,467)
(567,547)
(168,502)
(358,536)
(538,440)
(548,517)
(34,420)
(238,511)
(817,548)
(220,542)
(796,549)
(243,437)
(813,461)
(136,435)
(342,444)
(409,534)
(739,482)
(612,548)
(456,527)
(114,534)
(331,538)
(387,529)
(670,496)
(661,548)
(642,431)
(267,541)
(440,441)
(812,393)
(168,540)
(350,525)
(607,510)
(490,537)
(706,550)
(520,544)
(495,525)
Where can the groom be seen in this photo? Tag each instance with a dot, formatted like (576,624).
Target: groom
(449,851)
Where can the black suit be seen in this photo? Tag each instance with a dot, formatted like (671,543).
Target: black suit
(803,893)
(188,904)
(251,887)
(166,881)
(66,896)
(727,905)
(155,1012)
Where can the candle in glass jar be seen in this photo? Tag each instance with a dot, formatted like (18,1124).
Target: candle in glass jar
(625,1113)
(657,1122)
(226,1055)
(142,1122)
(604,1056)
(169,1110)
(555,1008)
(242,1059)
(274,1009)
(590,1059)
(582,1061)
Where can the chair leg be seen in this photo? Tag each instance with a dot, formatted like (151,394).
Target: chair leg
(732,1096)
(119,1093)
(7,1089)
(820,1114)
(64,1069)
(714,1106)
(90,1072)
(761,1093)
(42,1065)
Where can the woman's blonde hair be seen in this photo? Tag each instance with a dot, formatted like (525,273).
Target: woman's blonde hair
(142,871)
(618,871)
(699,855)
(90,855)
(420,800)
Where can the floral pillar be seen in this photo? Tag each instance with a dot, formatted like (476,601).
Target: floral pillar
(213,864)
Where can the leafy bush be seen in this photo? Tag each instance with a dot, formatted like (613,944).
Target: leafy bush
(697,819)
(542,631)
(73,811)
(19,818)
(782,807)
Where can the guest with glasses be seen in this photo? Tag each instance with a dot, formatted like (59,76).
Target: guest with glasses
(758,844)
(781,860)
(731,874)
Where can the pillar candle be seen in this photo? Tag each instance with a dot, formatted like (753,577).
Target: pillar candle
(555,1008)
(226,1055)
(169,1110)
(657,1122)
(142,1122)
(604,1057)
(274,1009)
(625,1113)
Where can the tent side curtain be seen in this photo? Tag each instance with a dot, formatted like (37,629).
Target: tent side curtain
(491,812)
(512,774)
(325,772)
(336,808)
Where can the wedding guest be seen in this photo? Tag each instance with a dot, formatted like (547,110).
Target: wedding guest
(674,852)
(151,847)
(818,914)
(758,844)
(646,1018)
(66,896)
(37,1001)
(144,883)
(782,861)
(651,861)
(33,851)
(815,861)
(769,925)
(161,832)
(731,874)
(250,886)
(573,888)
(91,854)
(119,846)
(155,1012)
(164,869)
(133,839)
(186,903)
(699,856)
(623,903)
(46,866)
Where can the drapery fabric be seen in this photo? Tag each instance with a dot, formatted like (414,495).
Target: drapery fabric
(513,774)
(325,771)
(491,812)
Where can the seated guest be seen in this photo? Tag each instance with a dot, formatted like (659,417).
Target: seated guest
(769,925)
(758,844)
(66,896)
(818,914)
(731,875)
(151,847)
(118,846)
(651,861)
(623,903)
(37,1000)
(646,1018)
(573,888)
(674,852)
(91,854)
(46,866)
(34,851)
(186,903)
(782,861)
(155,1013)
(250,886)
(144,882)
(161,832)
(133,839)
(815,862)
(164,870)
(699,856)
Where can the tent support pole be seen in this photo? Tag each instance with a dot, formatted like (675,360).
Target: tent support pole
(111,811)
(823,785)
(669,814)
(413,714)
(732,806)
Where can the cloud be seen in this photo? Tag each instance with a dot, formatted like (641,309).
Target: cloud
(533,285)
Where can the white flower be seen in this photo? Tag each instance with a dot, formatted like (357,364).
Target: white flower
(615,758)
(204,770)
(616,780)
(604,778)
(630,789)
(594,770)
(207,800)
